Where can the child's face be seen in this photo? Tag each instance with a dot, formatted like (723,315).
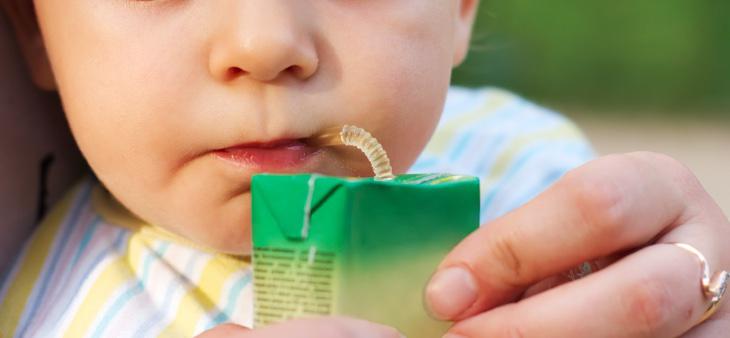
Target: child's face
(176,103)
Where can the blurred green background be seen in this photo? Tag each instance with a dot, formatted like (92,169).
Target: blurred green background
(613,57)
(634,74)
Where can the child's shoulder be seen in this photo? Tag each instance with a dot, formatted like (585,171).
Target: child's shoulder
(46,272)
(88,270)
(494,114)
(517,148)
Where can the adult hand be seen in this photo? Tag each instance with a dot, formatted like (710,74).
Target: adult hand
(321,327)
(621,212)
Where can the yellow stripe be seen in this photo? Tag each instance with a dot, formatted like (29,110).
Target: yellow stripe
(198,302)
(193,306)
(114,275)
(565,131)
(36,255)
(135,251)
(195,303)
(442,139)
(107,283)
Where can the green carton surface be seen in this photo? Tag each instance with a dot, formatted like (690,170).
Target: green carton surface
(356,246)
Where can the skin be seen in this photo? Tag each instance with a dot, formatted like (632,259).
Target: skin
(184,78)
(151,87)
(323,327)
(624,212)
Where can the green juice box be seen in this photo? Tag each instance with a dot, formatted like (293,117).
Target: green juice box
(356,247)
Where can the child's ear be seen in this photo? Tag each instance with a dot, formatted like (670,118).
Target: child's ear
(465,13)
(21,14)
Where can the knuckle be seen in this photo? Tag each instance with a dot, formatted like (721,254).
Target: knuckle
(675,170)
(505,253)
(683,184)
(650,307)
(600,199)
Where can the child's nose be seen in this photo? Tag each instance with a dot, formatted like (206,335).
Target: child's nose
(264,40)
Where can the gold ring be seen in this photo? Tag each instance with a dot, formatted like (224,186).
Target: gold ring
(713,287)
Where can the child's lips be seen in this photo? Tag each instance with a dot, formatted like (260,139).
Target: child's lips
(282,156)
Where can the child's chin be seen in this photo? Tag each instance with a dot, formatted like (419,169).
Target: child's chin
(232,245)
(233,242)
(246,251)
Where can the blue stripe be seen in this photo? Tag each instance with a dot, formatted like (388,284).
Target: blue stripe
(423,164)
(156,318)
(235,292)
(119,240)
(129,294)
(154,254)
(524,118)
(65,280)
(55,255)
(504,113)
(225,315)
(519,163)
(86,239)
(468,134)
(521,160)
(485,165)
(219,319)
(530,127)
(88,234)
(116,307)
(461,143)
(577,157)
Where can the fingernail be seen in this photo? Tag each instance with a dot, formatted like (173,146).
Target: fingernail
(450,292)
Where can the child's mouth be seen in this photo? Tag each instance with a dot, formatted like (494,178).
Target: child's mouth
(278,156)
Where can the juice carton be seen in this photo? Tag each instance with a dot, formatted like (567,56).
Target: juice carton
(357,247)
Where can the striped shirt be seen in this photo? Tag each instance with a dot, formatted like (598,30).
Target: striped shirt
(92,270)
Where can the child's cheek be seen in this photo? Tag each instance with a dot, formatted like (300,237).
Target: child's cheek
(123,86)
(402,107)
(399,82)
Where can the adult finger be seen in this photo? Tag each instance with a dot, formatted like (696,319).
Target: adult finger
(610,205)
(319,327)
(225,330)
(716,326)
(655,292)
(566,277)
